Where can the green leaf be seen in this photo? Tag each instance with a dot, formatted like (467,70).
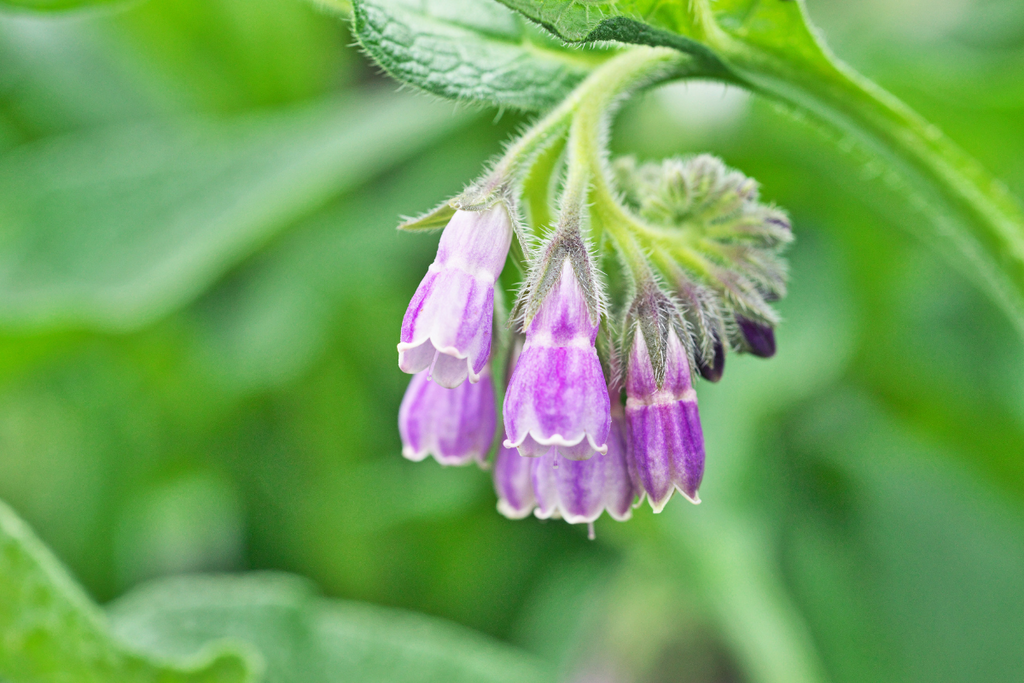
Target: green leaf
(435,219)
(638,22)
(51,631)
(770,46)
(308,639)
(114,228)
(469,50)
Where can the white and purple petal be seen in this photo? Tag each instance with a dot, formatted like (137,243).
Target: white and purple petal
(558,396)
(665,438)
(513,484)
(578,491)
(666,449)
(456,426)
(447,327)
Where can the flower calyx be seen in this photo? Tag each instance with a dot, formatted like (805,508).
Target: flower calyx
(652,316)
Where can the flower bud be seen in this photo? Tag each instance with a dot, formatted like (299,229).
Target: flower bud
(558,396)
(513,484)
(578,491)
(456,426)
(759,338)
(447,327)
(712,371)
(665,440)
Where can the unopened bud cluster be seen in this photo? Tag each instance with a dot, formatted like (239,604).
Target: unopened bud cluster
(733,270)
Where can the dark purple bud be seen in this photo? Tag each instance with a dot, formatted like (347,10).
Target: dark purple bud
(779,220)
(713,372)
(760,338)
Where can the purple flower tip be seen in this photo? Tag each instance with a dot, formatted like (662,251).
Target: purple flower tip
(456,426)
(558,397)
(716,369)
(760,338)
(578,491)
(447,327)
(665,440)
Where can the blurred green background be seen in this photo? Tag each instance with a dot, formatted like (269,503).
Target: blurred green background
(201,289)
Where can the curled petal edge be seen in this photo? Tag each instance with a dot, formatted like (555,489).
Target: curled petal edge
(659,506)
(558,513)
(473,377)
(510,512)
(557,440)
(414,455)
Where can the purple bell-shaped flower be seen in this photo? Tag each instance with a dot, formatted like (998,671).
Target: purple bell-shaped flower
(578,491)
(558,396)
(447,327)
(666,443)
(456,426)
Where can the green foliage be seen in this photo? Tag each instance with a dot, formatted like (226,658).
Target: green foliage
(432,220)
(469,50)
(305,638)
(647,22)
(864,493)
(114,228)
(53,633)
(767,46)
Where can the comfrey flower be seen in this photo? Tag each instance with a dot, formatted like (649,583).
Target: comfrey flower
(447,327)
(456,426)
(558,396)
(643,280)
(666,442)
(554,487)
(578,491)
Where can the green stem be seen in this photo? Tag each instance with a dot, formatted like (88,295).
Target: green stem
(983,221)
(613,79)
(539,185)
(994,241)
(587,176)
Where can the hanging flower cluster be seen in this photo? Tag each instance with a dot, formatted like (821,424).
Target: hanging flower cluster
(695,258)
